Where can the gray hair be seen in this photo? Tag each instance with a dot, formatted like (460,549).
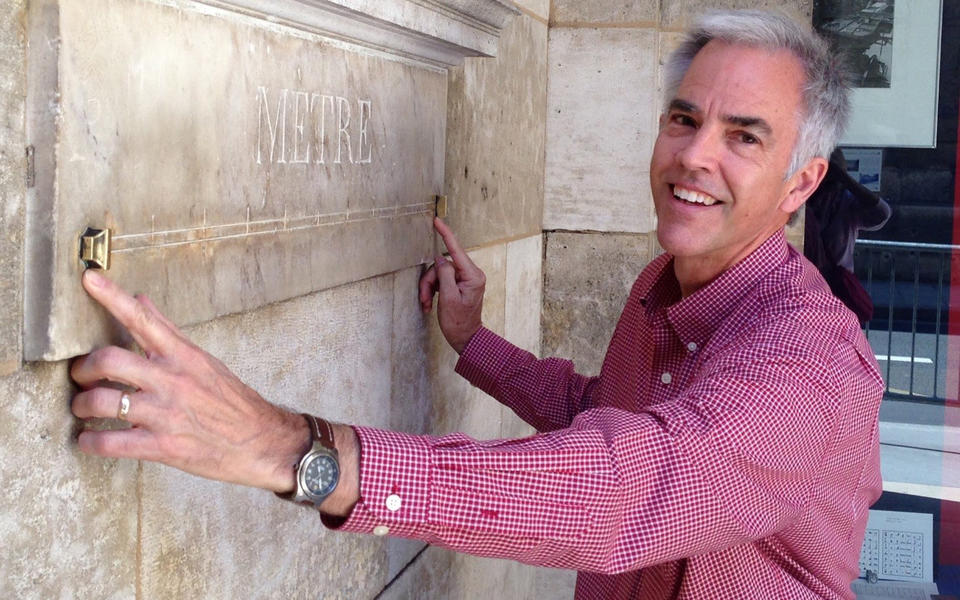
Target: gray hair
(826,105)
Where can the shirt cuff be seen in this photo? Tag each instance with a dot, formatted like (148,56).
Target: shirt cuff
(394,485)
(485,357)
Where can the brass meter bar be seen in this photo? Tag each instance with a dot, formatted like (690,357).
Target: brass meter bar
(95,248)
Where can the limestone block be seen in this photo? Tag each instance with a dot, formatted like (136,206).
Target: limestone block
(669,41)
(587,278)
(440,573)
(442,31)
(524,288)
(678,14)
(600,130)
(577,12)
(540,8)
(524,292)
(68,521)
(13,169)
(495,138)
(239,162)
(555,583)
(327,353)
(411,388)
(456,405)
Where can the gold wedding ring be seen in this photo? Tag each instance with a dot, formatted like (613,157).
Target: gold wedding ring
(124,406)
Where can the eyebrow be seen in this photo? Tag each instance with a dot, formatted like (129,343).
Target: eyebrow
(755,123)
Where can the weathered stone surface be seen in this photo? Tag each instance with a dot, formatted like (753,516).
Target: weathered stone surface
(456,405)
(524,288)
(68,522)
(287,164)
(568,12)
(442,31)
(555,583)
(600,129)
(326,353)
(411,388)
(669,41)
(524,291)
(587,278)
(440,573)
(680,13)
(541,8)
(495,138)
(12,174)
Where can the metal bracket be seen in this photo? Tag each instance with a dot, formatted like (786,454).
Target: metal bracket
(95,248)
(440,206)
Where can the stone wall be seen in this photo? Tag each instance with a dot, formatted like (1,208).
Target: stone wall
(74,526)
(603,103)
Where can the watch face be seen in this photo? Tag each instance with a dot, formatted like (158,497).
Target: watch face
(320,475)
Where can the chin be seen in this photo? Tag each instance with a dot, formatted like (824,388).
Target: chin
(676,242)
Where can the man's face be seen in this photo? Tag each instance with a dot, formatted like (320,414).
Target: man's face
(724,147)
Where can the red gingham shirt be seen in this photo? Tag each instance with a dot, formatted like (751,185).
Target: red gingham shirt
(728,449)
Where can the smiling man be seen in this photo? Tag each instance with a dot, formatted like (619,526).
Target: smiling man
(728,448)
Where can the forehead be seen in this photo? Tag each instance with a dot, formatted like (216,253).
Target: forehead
(745,81)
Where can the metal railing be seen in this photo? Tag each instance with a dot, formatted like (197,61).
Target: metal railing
(909,286)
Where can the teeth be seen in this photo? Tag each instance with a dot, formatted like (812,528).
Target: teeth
(692,196)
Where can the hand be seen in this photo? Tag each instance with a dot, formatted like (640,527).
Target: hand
(188,411)
(460,284)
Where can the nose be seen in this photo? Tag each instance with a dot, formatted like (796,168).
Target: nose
(700,150)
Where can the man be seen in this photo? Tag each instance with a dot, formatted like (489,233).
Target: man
(728,448)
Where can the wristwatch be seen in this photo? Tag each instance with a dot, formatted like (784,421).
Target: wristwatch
(318,472)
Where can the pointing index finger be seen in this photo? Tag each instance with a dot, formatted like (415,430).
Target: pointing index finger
(460,258)
(148,331)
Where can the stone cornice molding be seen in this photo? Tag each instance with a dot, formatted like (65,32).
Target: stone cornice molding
(441,32)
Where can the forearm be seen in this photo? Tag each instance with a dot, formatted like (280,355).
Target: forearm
(545,393)
(505,499)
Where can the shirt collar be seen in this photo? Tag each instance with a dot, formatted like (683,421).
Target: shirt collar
(697,316)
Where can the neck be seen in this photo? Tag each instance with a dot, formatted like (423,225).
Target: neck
(695,272)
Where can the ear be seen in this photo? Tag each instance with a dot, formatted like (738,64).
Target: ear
(803,183)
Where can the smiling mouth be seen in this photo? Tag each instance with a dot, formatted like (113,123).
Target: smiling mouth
(692,197)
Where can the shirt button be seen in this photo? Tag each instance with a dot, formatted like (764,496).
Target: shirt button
(381,530)
(666,378)
(393,502)
(692,346)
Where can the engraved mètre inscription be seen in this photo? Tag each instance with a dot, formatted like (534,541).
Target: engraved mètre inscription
(305,127)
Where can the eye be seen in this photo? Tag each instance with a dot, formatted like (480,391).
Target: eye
(747,138)
(683,119)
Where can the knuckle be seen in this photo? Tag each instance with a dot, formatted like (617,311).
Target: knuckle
(100,401)
(105,357)
(142,318)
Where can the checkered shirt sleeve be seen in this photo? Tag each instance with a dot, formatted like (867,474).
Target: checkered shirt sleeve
(616,490)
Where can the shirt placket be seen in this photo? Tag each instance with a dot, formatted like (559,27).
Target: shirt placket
(667,365)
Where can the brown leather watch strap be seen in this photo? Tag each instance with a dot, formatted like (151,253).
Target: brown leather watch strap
(321,430)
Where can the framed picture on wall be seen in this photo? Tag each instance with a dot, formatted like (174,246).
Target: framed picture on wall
(893,50)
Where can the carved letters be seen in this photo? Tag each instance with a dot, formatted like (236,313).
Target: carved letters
(302,127)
